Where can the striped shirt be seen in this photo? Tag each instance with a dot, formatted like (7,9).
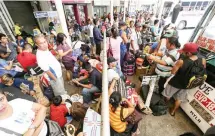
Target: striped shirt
(170,58)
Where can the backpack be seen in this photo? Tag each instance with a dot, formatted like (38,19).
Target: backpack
(78,111)
(157,103)
(196,73)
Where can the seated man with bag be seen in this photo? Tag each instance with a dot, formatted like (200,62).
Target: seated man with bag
(94,86)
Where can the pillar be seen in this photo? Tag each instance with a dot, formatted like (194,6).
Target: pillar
(59,7)
(111,12)
(90,10)
(76,13)
(86,12)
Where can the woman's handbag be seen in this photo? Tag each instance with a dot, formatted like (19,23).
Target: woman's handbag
(53,128)
(134,118)
(109,51)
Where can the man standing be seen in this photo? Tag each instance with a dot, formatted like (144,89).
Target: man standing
(155,29)
(97,36)
(136,39)
(184,72)
(94,86)
(49,64)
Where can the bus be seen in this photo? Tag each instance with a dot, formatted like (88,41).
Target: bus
(190,14)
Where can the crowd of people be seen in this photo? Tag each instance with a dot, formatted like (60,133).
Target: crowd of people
(142,41)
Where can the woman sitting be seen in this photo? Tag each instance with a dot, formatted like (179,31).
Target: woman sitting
(118,127)
(21,117)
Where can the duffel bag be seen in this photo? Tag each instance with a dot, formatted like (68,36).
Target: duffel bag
(128,70)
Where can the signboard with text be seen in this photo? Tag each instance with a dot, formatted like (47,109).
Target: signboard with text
(201,106)
(206,43)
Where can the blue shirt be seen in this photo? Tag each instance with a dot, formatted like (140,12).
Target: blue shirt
(3,64)
(12,46)
(21,42)
(23,84)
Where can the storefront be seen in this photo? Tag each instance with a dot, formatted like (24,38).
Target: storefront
(77,10)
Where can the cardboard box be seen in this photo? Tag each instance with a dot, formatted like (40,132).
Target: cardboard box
(141,71)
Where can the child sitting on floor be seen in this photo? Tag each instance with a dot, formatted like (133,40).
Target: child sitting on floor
(58,111)
(26,86)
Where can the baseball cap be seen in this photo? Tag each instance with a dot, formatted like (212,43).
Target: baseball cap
(138,25)
(190,47)
(110,60)
(170,33)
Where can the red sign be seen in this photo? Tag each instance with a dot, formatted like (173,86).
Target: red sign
(206,43)
(210,105)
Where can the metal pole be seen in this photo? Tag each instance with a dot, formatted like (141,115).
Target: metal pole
(111,12)
(105,129)
(8,28)
(2,30)
(5,9)
(5,15)
(59,7)
(124,10)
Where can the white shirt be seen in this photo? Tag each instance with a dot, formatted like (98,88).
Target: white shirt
(21,119)
(46,61)
(91,30)
(134,37)
(112,74)
(77,44)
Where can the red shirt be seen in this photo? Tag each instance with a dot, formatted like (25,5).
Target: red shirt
(58,113)
(27,59)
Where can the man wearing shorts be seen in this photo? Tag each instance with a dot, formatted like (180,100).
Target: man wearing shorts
(177,86)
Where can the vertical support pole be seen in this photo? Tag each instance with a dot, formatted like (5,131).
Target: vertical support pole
(111,12)
(124,10)
(59,7)
(76,13)
(105,98)
(86,12)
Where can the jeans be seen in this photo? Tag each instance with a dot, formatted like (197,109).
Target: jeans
(98,48)
(88,94)
(58,86)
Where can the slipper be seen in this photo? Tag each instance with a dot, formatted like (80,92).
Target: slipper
(170,112)
(70,83)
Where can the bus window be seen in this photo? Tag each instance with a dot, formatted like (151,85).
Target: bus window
(185,6)
(192,6)
(204,5)
(198,5)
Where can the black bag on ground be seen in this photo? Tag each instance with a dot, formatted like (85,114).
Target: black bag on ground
(157,104)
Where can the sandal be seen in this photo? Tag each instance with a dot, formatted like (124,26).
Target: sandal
(70,82)
(171,113)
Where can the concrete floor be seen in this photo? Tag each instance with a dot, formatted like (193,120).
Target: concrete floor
(150,125)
